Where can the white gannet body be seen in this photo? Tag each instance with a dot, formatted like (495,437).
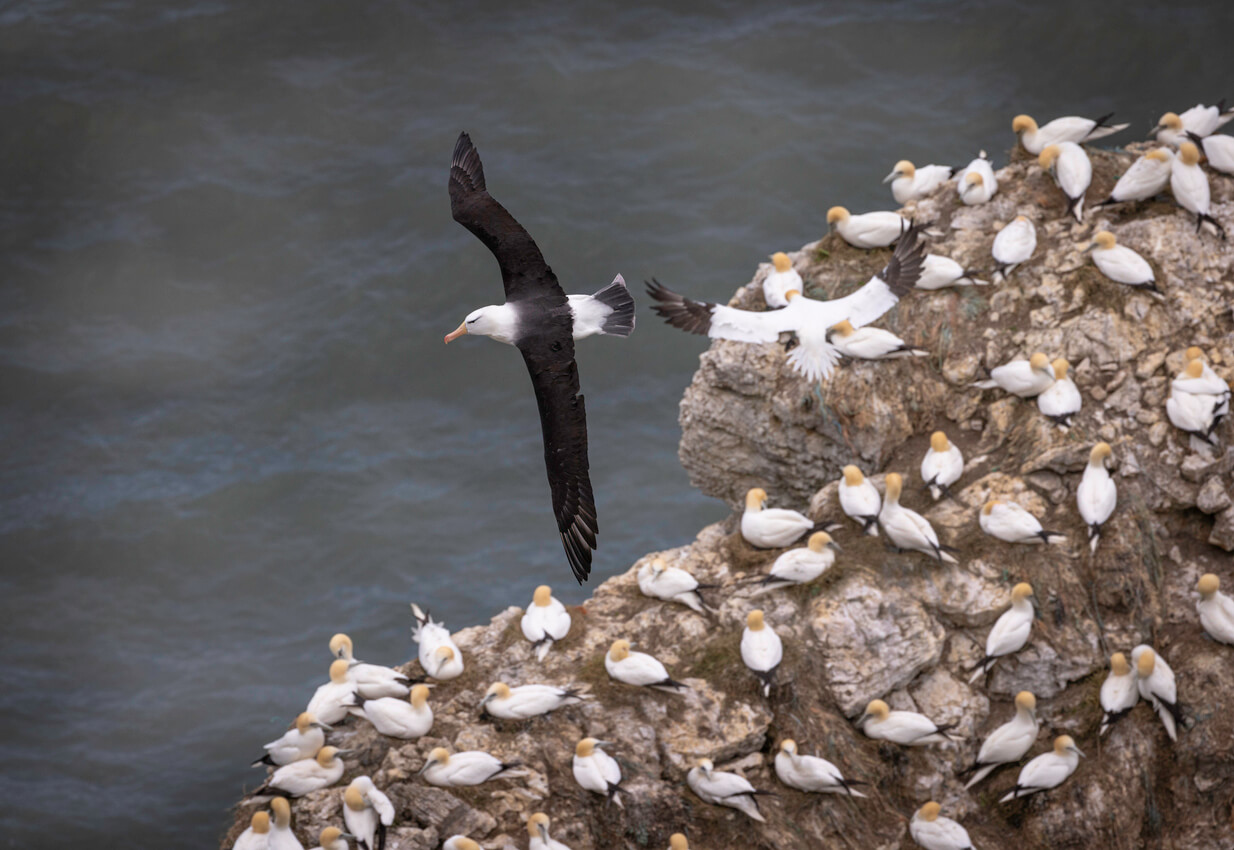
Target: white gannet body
(901,727)
(1010,632)
(301,741)
(771,528)
(782,278)
(932,831)
(671,584)
(257,836)
(721,788)
(908,183)
(400,718)
(1009,742)
(439,655)
(811,773)
(1147,176)
(942,465)
(367,813)
(1048,770)
(638,668)
(526,701)
(1189,184)
(976,183)
(372,680)
(1119,692)
(537,834)
(332,701)
(1024,378)
(1071,169)
(597,771)
(907,529)
(1097,495)
(1061,400)
(859,500)
(1155,681)
(761,649)
(1173,129)
(545,622)
(867,230)
(1190,408)
(939,272)
(1199,380)
(473,767)
(800,566)
(1216,610)
(1013,245)
(1120,264)
(1068,129)
(869,343)
(1220,152)
(307,775)
(281,836)
(1011,523)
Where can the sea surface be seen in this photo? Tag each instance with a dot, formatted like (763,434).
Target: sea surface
(228,425)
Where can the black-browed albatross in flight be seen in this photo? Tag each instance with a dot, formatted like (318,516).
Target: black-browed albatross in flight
(543,322)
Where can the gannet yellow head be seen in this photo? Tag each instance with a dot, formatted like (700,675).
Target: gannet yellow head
(658,566)
(338,671)
(260,823)
(326,756)
(677,841)
(620,650)
(329,835)
(1105,240)
(340,646)
(755,499)
(1039,362)
(304,722)
(903,168)
(1145,663)
(1023,124)
(1194,369)
(1208,585)
(462,843)
(1026,701)
(1022,218)
(497,690)
(1063,743)
(537,826)
(353,798)
(1159,154)
(282,812)
(893,484)
(1047,156)
(586,747)
(1023,590)
(1119,665)
(754,620)
(974,178)
(818,540)
(853,476)
(781,261)
(929,812)
(1193,353)
(989,506)
(844,328)
(543,597)
(1060,368)
(1170,121)
(791,294)
(835,215)
(1189,153)
(439,755)
(418,696)
(1100,452)
(706,766)
(788,745)
(939,442)
(877,709)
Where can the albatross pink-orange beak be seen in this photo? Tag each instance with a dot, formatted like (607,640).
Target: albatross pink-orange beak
(456,333)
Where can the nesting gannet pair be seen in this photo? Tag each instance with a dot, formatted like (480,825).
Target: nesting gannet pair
(332,701)
(938,272)
(771,528)
(400,718)
(1013,246)
(1013,524)
(907,529)
(1220,152)
(526,701)
(1189,184)
(597,771)
(439,654)
(908,183)
(977,184)
(931,831)
(1008,743)
(1061,400)
(1147,176)
(721,788)
(901,727)
(761,649)
(869,343)
(1097,494)
(545,622)
(302,741)
(372,680)
(1024,378)
(781,280)
(1068,129)
(1071,169)
(1121,264)
(859,499)
(473,767)
(800,566)
(811,319)
(1119,692)
(672,584)
(811,773)
(1197,403)
(307,775)
(1010,632)
(638,668)
(1048,770)
(367,813)
(1216,610)
(1155,681)
(942,465)
(867,230)
(1200,120)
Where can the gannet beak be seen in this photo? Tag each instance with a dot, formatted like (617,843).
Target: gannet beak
(892,176)
(324,726)
(341,753)
(543,831)
(1090,246)
(456,333)
(835,546)
(348,836)
(427,765)
(604,743)
(1078,753)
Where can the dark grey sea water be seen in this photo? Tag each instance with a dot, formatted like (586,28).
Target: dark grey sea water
(228,425)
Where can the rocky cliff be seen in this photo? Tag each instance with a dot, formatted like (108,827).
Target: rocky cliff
(899,626)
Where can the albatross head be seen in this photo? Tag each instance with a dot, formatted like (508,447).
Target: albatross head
(496,320)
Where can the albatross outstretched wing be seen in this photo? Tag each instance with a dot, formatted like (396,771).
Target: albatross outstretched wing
(523,270)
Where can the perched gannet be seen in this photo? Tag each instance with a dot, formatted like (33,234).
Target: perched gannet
(525,701)
(281,836)
(307,775)
(1068,129)
(595,770)
(977,184)
(934,832)
(1010,632)
(331,701)
(1009,742)
(1013,245)
(460,842)
(907,529)
(638,668)
(859,500)
(1199,120)
(367,812)
(938,272)
(761,649)
(809,318)
(301,741)
(780,280)
(869,343)
(1119,692)
(439,655)
(1201,380)
(1097,494)
(908,183)
(257,836)
(1196,413)
(537,834)
(333,838)
(1071,169)
(1155,681)
(545,622)
(811,773)
(1220,152)
(1025,378)
(1120,264)
(721,788)
(901,727)
(672,584)
(471,767)
(1047,770)
(1189,184)
(942,465)
(868,230)
(799,566)
(1147,176)
(400,718)
(372,680)
(1061,400)
(1216,610)
(1012,523)
(771,528)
